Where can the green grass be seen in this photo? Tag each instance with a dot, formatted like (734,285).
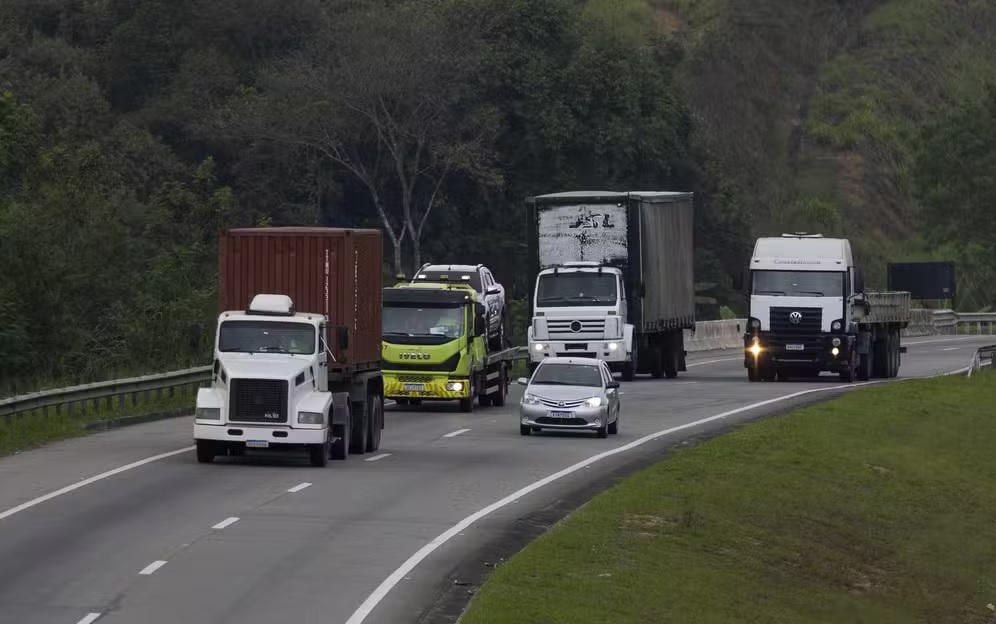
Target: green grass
(878,507)
(34,429)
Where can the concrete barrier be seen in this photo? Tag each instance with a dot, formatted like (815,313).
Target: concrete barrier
(711,335)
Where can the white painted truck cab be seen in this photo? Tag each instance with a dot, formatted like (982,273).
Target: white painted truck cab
(809,312)
(269,387)
(580,309)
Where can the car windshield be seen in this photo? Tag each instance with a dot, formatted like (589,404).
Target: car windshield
(267,337)
(414,322)
(465,277)
(551,374)
(573,289)
(799,283)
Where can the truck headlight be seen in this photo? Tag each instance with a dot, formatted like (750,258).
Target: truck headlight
(208,413)
(755,323)
(835,342)
(593,402)
(454,386)
(539,346)
(311,418)
(530,399)
(836,325)
(613,346)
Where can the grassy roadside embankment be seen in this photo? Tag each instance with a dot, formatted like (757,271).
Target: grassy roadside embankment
(875,507)
(34,429)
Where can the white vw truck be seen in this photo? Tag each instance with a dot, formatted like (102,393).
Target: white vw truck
(809,313)
(614,279)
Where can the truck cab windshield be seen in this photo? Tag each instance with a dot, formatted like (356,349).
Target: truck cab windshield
(435,324)
(799,283)
(576,289)
(267,337)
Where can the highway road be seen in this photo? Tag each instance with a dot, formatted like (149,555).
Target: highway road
(125,527)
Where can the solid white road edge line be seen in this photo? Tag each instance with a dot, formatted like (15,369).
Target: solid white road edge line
(70,488)
(299,487)
(152,567)
(378,457)
(90,618)
(227,522)
(453,434)
(390,582)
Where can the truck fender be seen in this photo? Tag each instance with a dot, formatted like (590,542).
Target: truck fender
(339,408)
(211,397)
(628,338)
(314,402)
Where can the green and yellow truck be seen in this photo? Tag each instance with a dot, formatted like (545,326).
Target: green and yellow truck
(435,348)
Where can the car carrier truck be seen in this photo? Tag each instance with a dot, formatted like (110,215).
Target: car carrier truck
(436,347)
(297,346)
(615,279)
(809,312)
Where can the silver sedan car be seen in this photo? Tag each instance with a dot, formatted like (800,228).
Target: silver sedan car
(570,393)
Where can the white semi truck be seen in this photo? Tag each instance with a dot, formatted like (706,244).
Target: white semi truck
(615,279)
(809,313)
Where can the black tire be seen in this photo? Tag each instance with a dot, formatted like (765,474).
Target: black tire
(847,376)
(897,356)
(656,362)
(603,431)
(340,447)
(360,427)
(484,400)
(525,430)
(629,371)
(375,409)
(865,366)
(319,454)
(614,426)
(672,362)
(498,400)
(206,450)
(754,373)
(769,373)
(467,405)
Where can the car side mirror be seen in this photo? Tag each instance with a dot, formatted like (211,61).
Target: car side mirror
(612,385)
(522,381)
(494,290)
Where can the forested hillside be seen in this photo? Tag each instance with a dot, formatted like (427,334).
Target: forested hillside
(133,131)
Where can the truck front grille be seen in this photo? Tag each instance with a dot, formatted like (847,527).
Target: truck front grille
(569,328)
(810,321)
(258,400)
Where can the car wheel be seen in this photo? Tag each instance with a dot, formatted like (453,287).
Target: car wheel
(603,431)
(614,426)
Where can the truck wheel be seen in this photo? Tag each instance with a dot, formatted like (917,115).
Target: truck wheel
(319,454)
(206,450)
(467,405)
(769,372)
(629,371)
(498,400)
(847,376)
(375,408)
(359,429)
(340,447)
(753,373)
(865,364)
(671,364)
(656,362)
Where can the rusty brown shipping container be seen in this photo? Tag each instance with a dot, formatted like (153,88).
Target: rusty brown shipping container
(329,271)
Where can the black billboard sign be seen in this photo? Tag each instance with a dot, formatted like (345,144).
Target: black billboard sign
(924,280)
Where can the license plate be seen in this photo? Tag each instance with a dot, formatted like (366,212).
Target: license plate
(414,387)
(795,347)
(561,414)
(257,444)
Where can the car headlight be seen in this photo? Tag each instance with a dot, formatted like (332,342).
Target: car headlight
(311,418)
(208,413)
(539,346)
(530,399)
(836,326)
(593,402)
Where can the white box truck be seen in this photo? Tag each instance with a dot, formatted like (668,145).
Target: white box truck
(615,279)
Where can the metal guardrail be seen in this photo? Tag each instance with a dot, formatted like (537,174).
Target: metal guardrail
(709,335)
(985,357)
(148,387)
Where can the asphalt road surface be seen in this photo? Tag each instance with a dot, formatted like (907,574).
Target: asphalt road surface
(381,538)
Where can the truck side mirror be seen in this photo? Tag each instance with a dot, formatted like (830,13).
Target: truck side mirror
(859,280)
(480,325)
(343,337)
(739,281)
